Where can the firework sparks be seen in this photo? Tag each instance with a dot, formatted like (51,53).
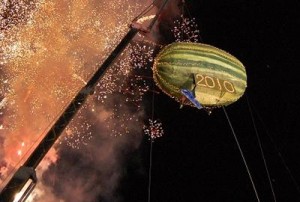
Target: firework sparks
(122,81)
(48,51)
(154,130)
(186,30)
(78,134)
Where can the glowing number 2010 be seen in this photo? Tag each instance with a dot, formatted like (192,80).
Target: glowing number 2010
(215,83)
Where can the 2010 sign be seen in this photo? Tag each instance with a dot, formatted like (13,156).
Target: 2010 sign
(214,83)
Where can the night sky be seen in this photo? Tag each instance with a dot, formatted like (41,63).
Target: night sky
(197,159)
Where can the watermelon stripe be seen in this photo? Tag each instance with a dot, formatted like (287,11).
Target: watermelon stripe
(198,60)
(217,68)
(201,48)
(202,57)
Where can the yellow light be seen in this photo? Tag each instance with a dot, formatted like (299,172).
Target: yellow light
(25,191)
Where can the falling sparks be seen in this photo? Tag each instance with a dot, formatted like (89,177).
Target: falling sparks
(78,134)
(20,49)
(122,77)
(19,11)
(186,30)
(48,51)
(13,14)
(154,130)
(25,59)
(125,81)
(141,55)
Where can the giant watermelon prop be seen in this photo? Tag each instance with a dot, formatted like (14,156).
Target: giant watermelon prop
(215,77)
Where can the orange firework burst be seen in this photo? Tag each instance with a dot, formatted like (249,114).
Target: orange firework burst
(48,50)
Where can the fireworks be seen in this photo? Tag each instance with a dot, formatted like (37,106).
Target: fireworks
(78,133)
(141,55)
(154,129)
(123,87)
(16,12)
(186,30)
(60,55)
(122,77)
(48,51)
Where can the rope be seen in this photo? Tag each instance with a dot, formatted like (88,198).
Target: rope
(150,169)
(152,108)
(279,153)
(151,148)
(242,154)
(261,150)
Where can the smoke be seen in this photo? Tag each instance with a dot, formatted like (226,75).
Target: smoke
(165,23)
(91,172)
(47,54)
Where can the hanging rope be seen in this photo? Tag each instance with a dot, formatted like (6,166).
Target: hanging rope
(150,169)
(242,154)
(151,146)
(261,150)
(278,152)
(152,107)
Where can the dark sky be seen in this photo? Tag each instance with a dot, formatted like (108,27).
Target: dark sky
(197,159)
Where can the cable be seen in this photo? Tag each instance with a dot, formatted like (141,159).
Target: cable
(242,154)
(278,152)
(261,150)
(152,107)
(151,149)
(150,169)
